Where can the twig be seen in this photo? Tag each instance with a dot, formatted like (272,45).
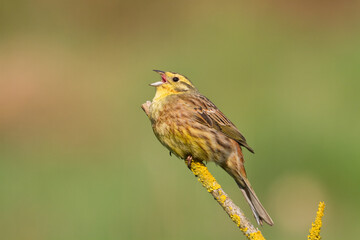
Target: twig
(234,212)
(316,226)
(146,107)
(211,185)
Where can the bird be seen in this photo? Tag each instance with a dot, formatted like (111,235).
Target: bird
(192,128)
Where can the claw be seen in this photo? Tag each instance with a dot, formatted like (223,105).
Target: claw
(188,161)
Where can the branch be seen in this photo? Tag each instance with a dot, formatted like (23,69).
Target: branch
(211,185)
(146,107)
(234,212)
(316,226)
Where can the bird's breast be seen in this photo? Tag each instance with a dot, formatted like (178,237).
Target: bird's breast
(177,130)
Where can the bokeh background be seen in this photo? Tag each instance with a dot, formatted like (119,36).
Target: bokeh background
(78,159)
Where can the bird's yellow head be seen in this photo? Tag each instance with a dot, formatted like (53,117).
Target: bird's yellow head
(171,83)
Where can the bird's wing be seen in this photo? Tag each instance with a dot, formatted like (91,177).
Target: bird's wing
(208,114)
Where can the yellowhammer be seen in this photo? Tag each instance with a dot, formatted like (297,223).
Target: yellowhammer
(193,128)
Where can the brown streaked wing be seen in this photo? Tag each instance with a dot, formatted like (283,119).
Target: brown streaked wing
(208,114)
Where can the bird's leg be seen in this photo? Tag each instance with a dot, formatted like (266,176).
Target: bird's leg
(188,160)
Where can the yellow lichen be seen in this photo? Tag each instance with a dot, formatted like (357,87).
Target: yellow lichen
(316,226)
(255,236)
(236,219)
(244,230)
(222,199)
(204,176)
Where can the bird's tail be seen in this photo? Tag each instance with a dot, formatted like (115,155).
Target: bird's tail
(257,208)
(235,167)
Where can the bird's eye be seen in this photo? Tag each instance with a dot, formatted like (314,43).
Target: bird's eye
(175,79)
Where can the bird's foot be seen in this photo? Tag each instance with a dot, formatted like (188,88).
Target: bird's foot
(188,161)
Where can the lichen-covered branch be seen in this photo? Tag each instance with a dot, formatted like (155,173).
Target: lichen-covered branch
(234,212)
(211,185)
(316,226)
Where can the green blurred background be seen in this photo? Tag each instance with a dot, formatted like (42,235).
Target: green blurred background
(78,159)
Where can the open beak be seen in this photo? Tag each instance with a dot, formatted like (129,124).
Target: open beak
(163,79)
(158,71)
